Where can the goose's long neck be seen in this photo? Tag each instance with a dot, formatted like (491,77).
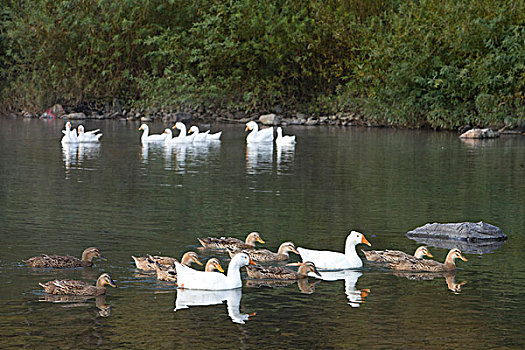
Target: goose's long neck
(350,252)
(145,132)
(182,130)
(279,133)
(234,274)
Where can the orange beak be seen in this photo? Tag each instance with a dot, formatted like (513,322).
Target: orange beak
(174,127)
(364,241)
(260,240)
(219,267)
(247,128)
(198,262)
(252,262)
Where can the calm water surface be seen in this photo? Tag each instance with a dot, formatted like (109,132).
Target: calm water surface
(129,200)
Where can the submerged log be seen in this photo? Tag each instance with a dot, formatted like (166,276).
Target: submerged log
(470,237)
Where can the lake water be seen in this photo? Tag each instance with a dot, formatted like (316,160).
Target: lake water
(129,200)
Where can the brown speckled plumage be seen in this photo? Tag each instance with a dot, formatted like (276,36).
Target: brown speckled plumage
(429,265)
(65,261)
(281,272)
(74,287)
(264,255)
(230,242)
(390,256)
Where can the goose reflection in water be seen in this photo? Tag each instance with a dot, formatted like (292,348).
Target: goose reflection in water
(450,278)
(191,297)
(74,154)
(71,301)
(155,148)
(184,155)
(259,158)
(355,297)
(285,155)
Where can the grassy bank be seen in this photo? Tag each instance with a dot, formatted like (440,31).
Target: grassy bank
(441,64)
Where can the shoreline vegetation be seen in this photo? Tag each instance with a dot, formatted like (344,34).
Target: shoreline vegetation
(447,65)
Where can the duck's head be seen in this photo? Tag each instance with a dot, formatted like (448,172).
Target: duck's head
(453,254)
(355,238)
(144,127)
(251,125)
(105,279)
(306,267)
(194,129)
(167,131)
(179,125)
(213,264)
(68,125)
(254,237)
(288,247)
(242,259)
(92,252)
(80,129)
(422,251)
(190,257)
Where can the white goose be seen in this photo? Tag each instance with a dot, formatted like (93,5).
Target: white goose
(183,137)
(284,140)
(70,136)
(199,136)
(194,279)
(146,137)
(328,260)
(88,136)
(256,136)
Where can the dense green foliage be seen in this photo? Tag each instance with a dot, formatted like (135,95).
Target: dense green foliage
(437,63)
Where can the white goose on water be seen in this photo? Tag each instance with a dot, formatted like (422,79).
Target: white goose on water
(183,137)
(194,279)
(329,260)
(198,136)
(146,137)
(256,135)
(70,136)
(284,140)
(88,136)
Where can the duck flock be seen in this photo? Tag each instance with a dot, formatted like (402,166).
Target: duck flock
(260,264)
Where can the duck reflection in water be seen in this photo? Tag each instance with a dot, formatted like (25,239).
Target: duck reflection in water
(71,301)
(192,297)
(285,155)
(305,286)
(355,296)
(259,157)
(450,278)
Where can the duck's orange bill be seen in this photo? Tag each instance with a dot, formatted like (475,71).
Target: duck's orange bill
(463,258)
(198,262)
(252,262)
(260,240)
(247,128)
(364,241)
(219,267)
(174,127)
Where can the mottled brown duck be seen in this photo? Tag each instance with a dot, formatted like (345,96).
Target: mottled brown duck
(65,261)
(230,242)
(281,272)
(73,287)
(429,265)
(147,263)
(264,255)
(389,256)
(169,273)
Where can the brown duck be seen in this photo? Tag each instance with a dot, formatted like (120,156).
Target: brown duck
(147,263)
(65,261)
(281,272)
(389,256)
(169,273)
(231,243)
(264,255)
(429,265)
(73,287)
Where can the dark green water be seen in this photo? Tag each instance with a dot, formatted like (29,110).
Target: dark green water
(127,200)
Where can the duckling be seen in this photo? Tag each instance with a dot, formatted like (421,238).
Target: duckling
(230,242)
(388,256)
(65,261)
(281,272)
(169,273)
(263,255)
(429,265)
(147,263)
(73,287)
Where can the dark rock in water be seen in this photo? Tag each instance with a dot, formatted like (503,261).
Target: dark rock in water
(469,237)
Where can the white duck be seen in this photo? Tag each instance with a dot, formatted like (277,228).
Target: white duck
(70,136)
(328,260)
(256,136)
(198,136)
(284,140)
(194,279)
(146,137)
(88,136)
(183,137)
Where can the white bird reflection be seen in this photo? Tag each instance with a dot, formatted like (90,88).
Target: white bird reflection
(182,156)
(355,297)
(259,157)
(191,297)
(151,149)
(285,155)
(74,154)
